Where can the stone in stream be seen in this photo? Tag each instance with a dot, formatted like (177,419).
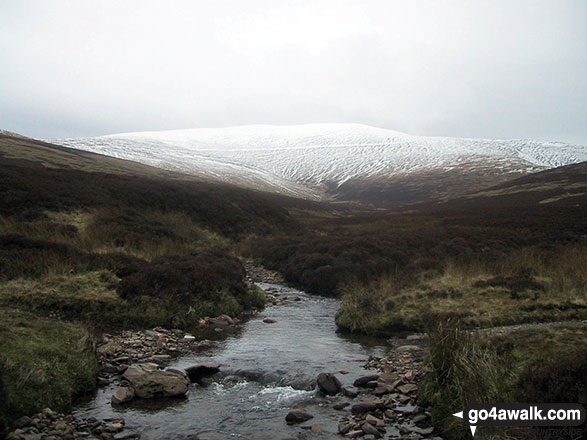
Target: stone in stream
(351,392)
(363,380)
(156,383)
(198,371)
(135,371)
(269,321)
(316,428)
(123,395)
(367,406)
(341,405)
(328,384)
(298,416)
(368,428)
(126,435)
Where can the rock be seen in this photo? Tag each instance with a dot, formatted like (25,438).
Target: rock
(382,389)
(196,372)
(351,392)
(137,370)
(368,428)
(362,381)
(159,384)
(297,416)
(127,435)
(22,422)
(354,434)
(403,398)
(367,406)
(407,388)
(123,395)
(420,418)
(344,427)
(269,321)
(188,337)
(374,421)
(114,427)
(408,348)
(328,384)
(343,372)
(394,432)
(176,371)
(316,428)
(422,431)
(408,409)
(341,405)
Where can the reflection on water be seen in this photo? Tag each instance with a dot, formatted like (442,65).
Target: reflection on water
(266,370)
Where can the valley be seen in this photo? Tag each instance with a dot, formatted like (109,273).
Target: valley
(292,266)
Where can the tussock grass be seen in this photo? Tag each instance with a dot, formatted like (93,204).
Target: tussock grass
(526,285)
(43,362)
(547,365)
(460,368)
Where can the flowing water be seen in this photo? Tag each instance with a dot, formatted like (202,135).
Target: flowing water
(267,369)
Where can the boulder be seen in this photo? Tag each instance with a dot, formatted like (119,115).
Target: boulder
(328,384)
(367,406)
(123,395)
(198,371)
(158,383)
(368,428)
(137,370)
(351,392)
(298,416)
(363,380)
(269,321)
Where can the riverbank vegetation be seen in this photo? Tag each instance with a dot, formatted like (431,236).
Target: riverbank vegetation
(525,285)
(89,243)
(43,363)
(541,365)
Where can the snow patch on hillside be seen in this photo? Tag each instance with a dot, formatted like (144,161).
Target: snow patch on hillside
(298,159)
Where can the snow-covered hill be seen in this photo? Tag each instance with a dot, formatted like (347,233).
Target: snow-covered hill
(314,159)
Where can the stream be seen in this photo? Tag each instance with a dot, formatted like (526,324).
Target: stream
(266,370)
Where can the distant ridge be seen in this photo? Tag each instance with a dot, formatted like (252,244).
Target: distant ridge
(346,162)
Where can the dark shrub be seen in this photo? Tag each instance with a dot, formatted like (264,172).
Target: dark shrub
(200,276)
(127,228)
(122,265)
(561,380)
(21,256)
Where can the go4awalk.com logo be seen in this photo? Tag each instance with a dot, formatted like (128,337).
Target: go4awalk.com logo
(522,414)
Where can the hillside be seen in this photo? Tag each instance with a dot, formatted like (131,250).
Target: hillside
(564,186)
(36,176)
(345,162)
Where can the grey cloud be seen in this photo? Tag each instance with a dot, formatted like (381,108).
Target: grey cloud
(478,69)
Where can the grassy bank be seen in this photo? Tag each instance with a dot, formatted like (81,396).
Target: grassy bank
(43,362)
(528,285)
(539,366)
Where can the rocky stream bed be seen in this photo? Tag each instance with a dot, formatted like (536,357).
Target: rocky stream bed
(281,374)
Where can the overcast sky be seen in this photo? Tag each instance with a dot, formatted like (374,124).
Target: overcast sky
(494,69)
